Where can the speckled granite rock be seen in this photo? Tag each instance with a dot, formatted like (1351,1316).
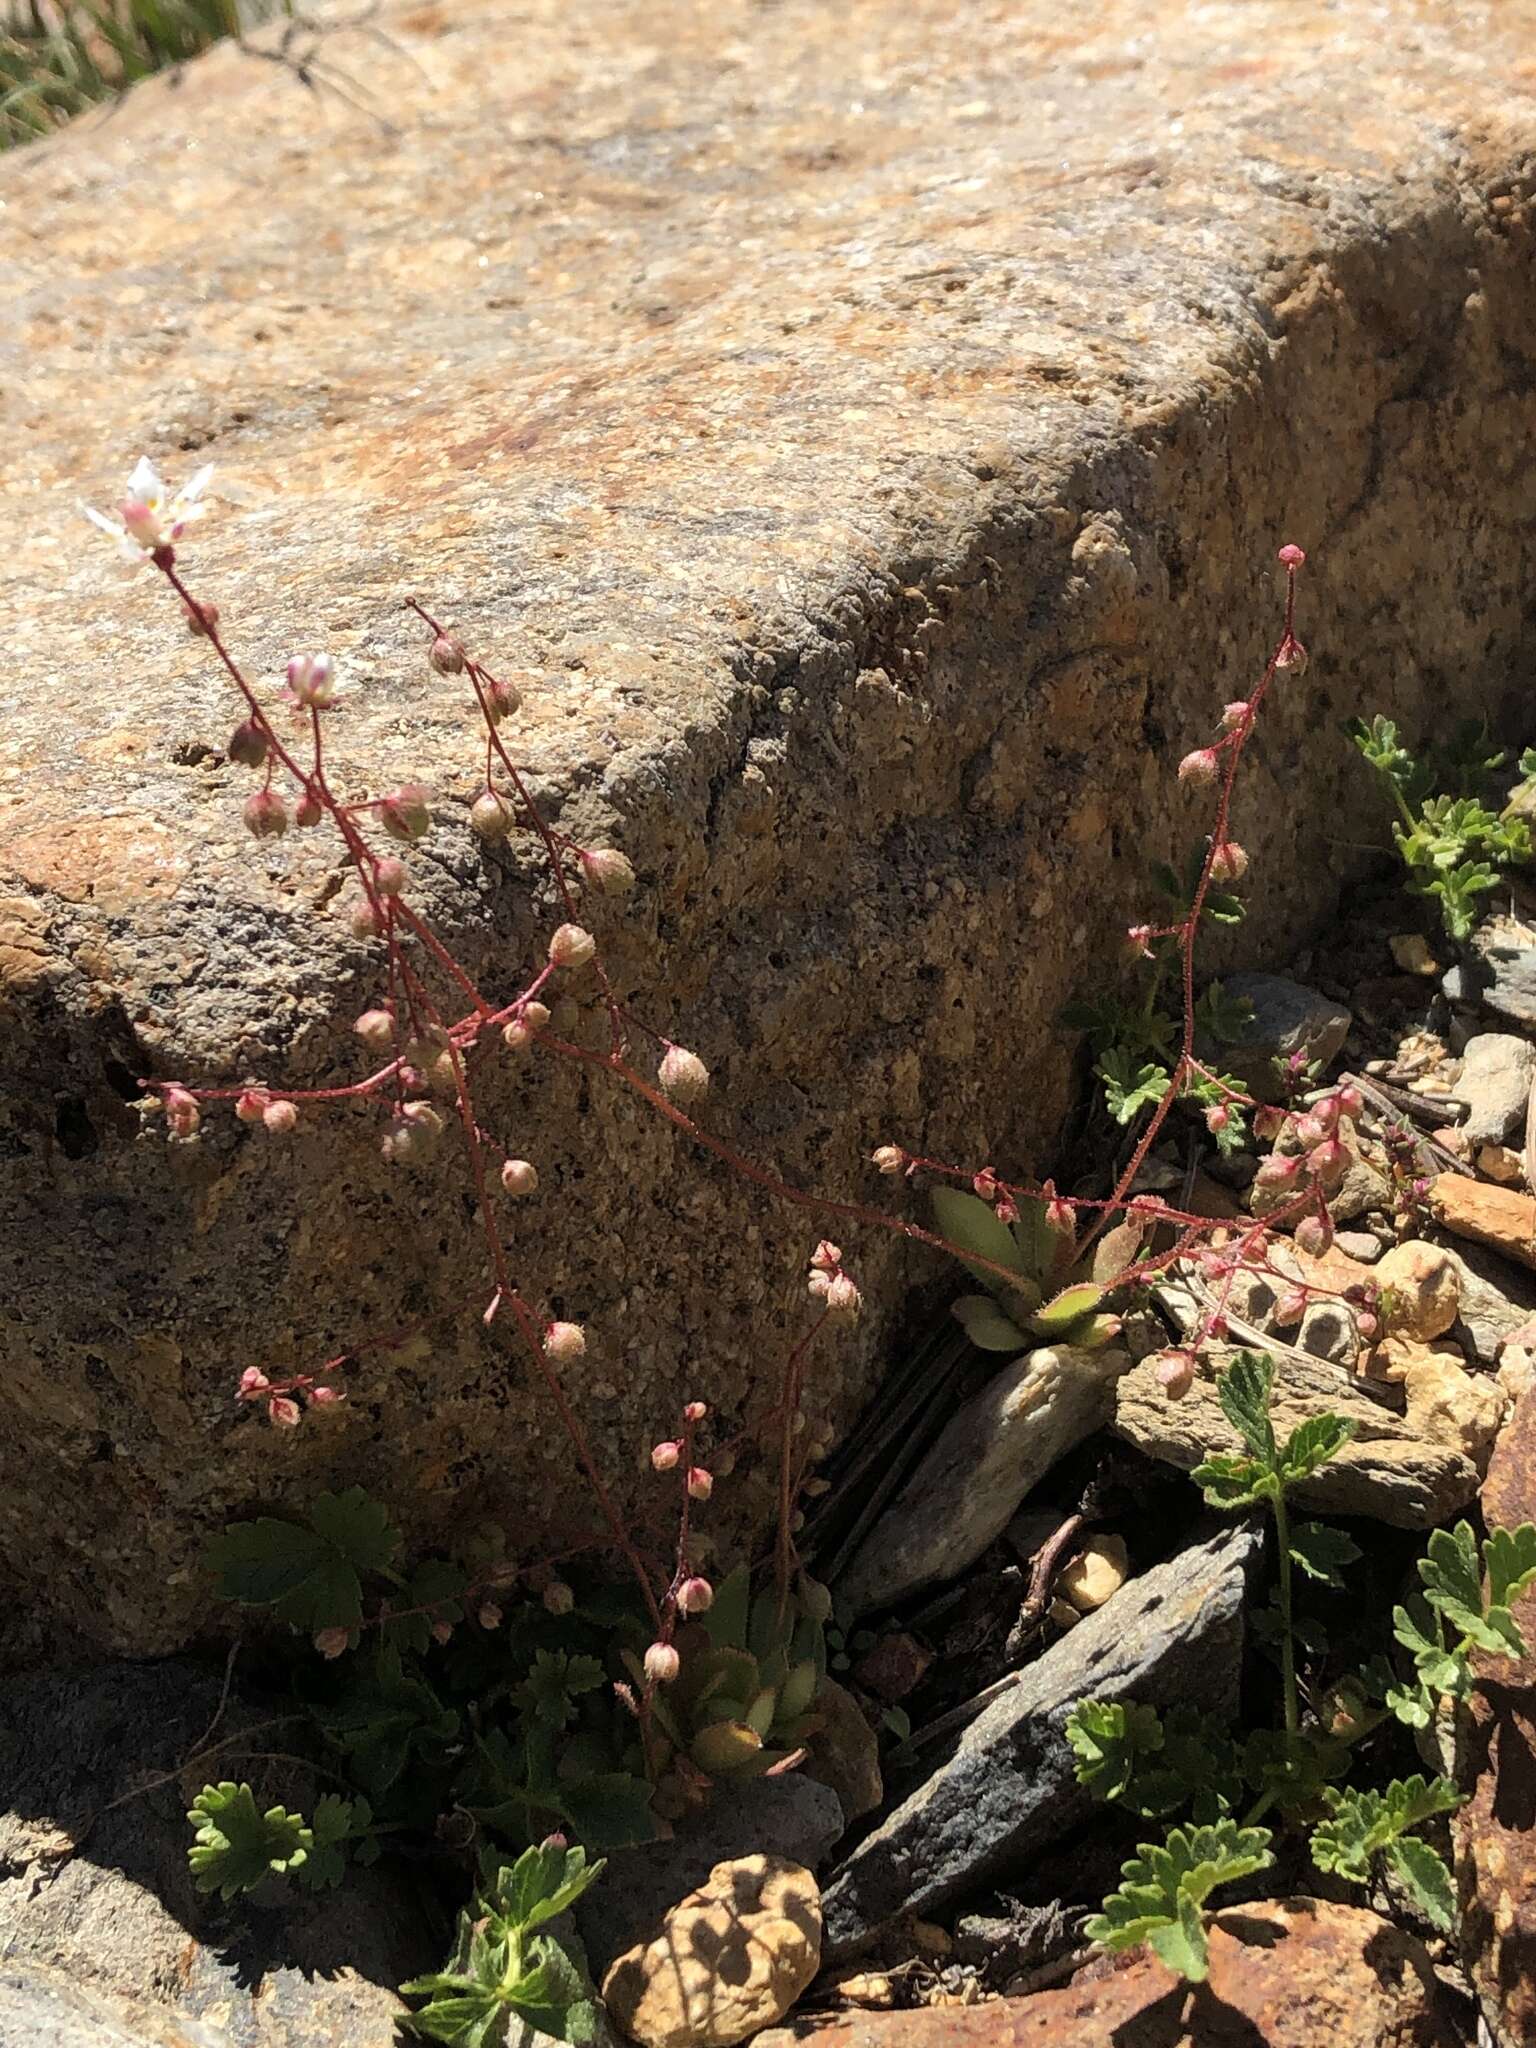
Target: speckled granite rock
(870,429)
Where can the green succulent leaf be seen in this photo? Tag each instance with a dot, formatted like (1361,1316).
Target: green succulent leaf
(1058,1317)
(986,1324)
(237,1846)
(966,1220)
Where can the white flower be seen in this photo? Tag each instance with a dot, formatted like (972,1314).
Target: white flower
(148,518)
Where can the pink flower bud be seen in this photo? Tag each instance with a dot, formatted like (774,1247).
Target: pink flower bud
(312,680)
(1328,1162)
(365,921)
(819,1285)
(558,1598)
(253,1380)
(181,1112)
(565,1342)
(376,1028)
(695,1411)
(1268,1122)
(446,655)
(247,745)
(1326,1113)
(519,1177)
(665,1456)
(280,1118)
(554,1841)
(1138,942)
(201,619)
(1175,1373)
(1217,1117)
(404,814)
(1369,1326)
(682,1075)
(1204,765)
(1290,1308)
(1291,555)
(1235,716)
(608,871)
(1309,1129)
(700,1483)
(283,1412)
(331,1642)
(662,1664)
(1006,1209)
(252,1105)
(1292,655)
(1060,1217)
(325,1397)
(308,811)
(984,1184)
(389,876)
(265,814)
(489,1615)
(501,700)
(1279,1170)
(1314,1234)
(571,946)
(491,815)
(695,1596)
(1351,1102)
(412,1134)
(1229,863)
(827,1257)
(442,1631)
(889,1160)
(844,1299)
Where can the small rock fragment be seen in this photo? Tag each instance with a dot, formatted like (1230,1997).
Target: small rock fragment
(999,1445)
(1449,1405)
(1502,1218)
(1501,1163)
(1497,1070)
(1361,1245)
(863,1987)
(929,1938)
(1328,1331)
(896,1665)
(1496,1300)
(1411,952)
(1096,1574)
(1425,1290)
(730,1959)
(1508,987)
(845,1752)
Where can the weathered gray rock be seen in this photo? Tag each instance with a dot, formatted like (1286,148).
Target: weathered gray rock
(120,1919)
(1328,1332)
(44,2008)
(1009,1790)
(1287,1018)
(1506,984)
(995,1448)
(1497,1070)
(1496,1297)
(1385,1472)
(870,432)
(793,1819)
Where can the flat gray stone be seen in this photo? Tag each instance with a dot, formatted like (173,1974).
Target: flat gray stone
(1497,1070)
(794,1817)
(1009,1791)
(1385,1472)
(1509,990)
(1496,1298)
(45,2008)
(120,1918)
(994,1450)
(1287,1018)
(868,432)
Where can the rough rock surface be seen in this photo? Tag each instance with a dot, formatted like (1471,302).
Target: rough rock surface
(43,2008)
(1009,1789)
(1504,1219)
(730,1959)
(1286,1018)
(1386,1471)
(995,1448)
(795,1819)
(1493,1832)
(870,430)
(1299,1973)
(1496,1300)
(845,1756)
(119,1918)
(1497,1070)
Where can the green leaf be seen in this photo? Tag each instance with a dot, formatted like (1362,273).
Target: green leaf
(434,1593)
(1453,1586)
(236,1846)
(726,1621)
(1164,1886)
(309,1574)
(1420,1632)
(1323,1552)
(1421,1872)
(335,1823)
(540,1884)
(1234,1481)
(1107,1738)
(1311,1444)
(975,1226)
(1063,1311)
(384,1717)
(1224,908)
(1244,1391)
(554,1684)
(1509,1558)
(1130,1086)
(985,1323)
(609,1810)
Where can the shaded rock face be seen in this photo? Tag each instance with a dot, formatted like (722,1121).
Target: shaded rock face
(112,1944)
(871,434)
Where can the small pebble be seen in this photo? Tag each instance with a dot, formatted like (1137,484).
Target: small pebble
(1499,1163)
(1363,1245)
(1096,1573)
(864,1988)
(1411,952)
(1063,1613)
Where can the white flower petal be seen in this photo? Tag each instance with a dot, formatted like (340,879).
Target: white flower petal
(112,526)
(195,485)
(132,553)
(145,484)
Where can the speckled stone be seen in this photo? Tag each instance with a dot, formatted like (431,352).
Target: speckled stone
(868,431)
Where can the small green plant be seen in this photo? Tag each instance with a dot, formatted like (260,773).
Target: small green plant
(1157,1766)
(1451,845)
(237,1847)
(507,1967)
(1053,1298)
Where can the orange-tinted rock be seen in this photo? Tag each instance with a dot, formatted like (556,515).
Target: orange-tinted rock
(1298,1974)
(1502,1217)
